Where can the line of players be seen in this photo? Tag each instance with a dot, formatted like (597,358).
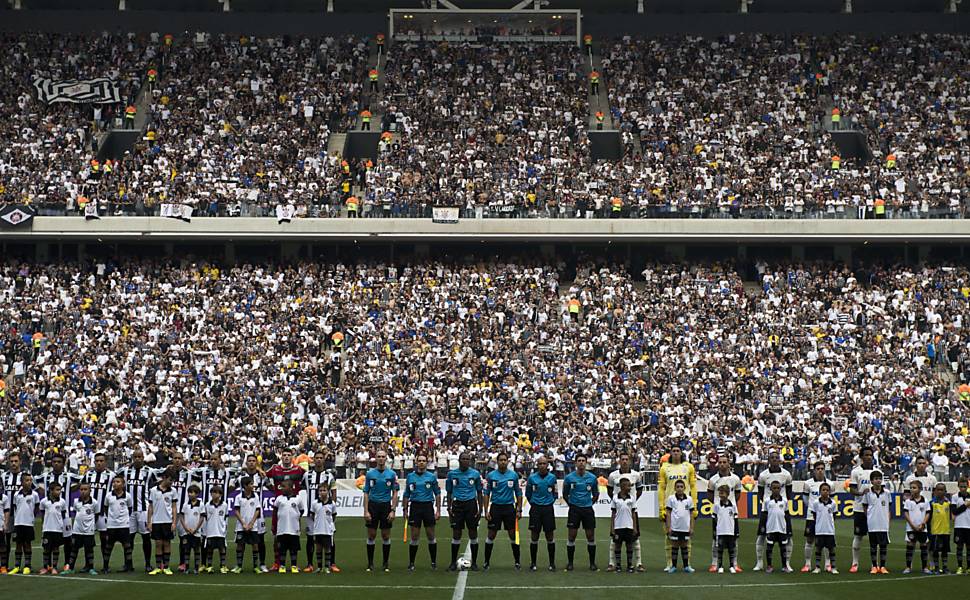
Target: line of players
(930,516)
(203,513)
(158,504)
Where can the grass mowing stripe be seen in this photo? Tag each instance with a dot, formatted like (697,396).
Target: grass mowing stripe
(461,586)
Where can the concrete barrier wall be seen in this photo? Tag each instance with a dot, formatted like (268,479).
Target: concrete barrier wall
(563,230)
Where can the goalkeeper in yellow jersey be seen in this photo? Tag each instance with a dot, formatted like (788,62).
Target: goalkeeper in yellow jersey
(672,471)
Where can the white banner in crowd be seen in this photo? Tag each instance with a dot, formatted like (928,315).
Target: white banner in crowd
(176,211)
(444,214)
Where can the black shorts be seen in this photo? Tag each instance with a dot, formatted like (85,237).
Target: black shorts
(679,536)
(542,518)
(825,541)
(810,528)
(878,538)
(624,535)
(85,542)
(777,537)
(192,541)
(162,532)
(25,533)
(916,537)
(215,543)
(941,543)
(581,516)
(248,538)
(762,523)
(323,539)
(289,543)
(464,514)
(421,514)
(118,535)
(860,526)
(727,541)
(380,513)
(51,540)
(503,517)
(961,536)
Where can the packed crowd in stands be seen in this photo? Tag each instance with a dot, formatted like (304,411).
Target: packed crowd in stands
(735,126)
(47,147)
(167,356)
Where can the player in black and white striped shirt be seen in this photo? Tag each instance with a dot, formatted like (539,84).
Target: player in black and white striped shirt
(139,479)
(318,476)
(181,480)
(99,478)
(11,479)
(214,475)
(257,476)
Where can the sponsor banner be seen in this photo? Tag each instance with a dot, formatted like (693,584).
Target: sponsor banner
(89,91)
(749,506)
(444,214)
(16,215)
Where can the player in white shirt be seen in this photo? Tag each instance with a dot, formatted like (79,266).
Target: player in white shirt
(916,511)
(811,493)
(160,521)
(624,523)
(612,487)
(726,528)
(250,526)
(4,515)
(823,512)
(777,527)
(84,528)
(960,509)
(214,530)
(289,509)
(321,515)
(117,512)
(859,484)
(55,510)
(922,474)
(23,505)
(191,519)
(723,476)
(877,502)
(679,515)
(774,473)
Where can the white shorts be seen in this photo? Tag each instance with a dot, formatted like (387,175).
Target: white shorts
(101,523)
(138,523)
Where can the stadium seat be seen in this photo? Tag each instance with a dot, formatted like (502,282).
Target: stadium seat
(691,6)
(279,6)
(790,6)
(70,4)
(175,5)
(912,6)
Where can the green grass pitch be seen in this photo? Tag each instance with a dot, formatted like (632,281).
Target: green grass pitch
(355,583)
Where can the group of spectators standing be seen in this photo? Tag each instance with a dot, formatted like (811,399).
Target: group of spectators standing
(738,126)
(449,355)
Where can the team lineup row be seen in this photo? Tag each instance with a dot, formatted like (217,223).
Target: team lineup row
(192,504)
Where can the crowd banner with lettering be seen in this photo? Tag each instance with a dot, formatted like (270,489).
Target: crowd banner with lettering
(444,214)
(748,505)
(88,91)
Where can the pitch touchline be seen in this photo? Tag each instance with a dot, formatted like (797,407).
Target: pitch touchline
(478,587)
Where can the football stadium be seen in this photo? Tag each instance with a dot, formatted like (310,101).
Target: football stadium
(471,298)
